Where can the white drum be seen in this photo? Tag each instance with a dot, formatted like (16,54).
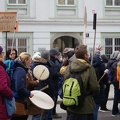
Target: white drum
(41,72)
(42,100)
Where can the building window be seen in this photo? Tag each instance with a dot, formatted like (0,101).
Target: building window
(112,2)
(66,8)
(21,44)
(111,45)
(17,2)
(22,7)
(66,2)
(112,9)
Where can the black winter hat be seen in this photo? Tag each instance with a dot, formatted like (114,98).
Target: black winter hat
(104,58)
(54,51)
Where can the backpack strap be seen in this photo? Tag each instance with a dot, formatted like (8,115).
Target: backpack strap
(85,94)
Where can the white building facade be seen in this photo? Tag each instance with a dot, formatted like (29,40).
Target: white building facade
(44,24)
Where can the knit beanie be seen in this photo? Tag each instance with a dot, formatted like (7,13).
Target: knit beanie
(45,54)
(54,51)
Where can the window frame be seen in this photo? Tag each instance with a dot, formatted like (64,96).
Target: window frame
(113,46)
(113,5)
(71,9)
(16,3)
(16,46)
(23,10)
(65,3)
(22,36)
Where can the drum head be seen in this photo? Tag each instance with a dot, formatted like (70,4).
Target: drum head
(42,100)
(41,72)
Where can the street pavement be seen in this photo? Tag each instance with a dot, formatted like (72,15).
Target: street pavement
(101,115)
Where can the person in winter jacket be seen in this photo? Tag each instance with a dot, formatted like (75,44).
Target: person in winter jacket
(118,73)
(21,93)
(99,69)
(112,77)
(11,55)
(81,64)
(103,106)
(55,77)
(69,56)
(5,91)
(43,59)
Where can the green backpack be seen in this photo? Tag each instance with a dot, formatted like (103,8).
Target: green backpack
(73,90)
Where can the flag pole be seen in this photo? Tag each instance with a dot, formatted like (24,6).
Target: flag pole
(14,32)
(85,25)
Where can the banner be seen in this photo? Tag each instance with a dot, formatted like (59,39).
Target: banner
(7,21)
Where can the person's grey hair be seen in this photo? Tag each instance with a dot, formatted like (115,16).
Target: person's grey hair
(118,57)
(114,55)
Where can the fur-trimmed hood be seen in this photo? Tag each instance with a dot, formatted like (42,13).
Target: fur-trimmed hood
(40,60)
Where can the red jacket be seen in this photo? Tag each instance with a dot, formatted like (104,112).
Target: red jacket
(5,91)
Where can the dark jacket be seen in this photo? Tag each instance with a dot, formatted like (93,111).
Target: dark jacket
(90,84)
(99,69)
(55,74)
(112,67)
(5,91)
(19,78)
(42,61)
(99,66)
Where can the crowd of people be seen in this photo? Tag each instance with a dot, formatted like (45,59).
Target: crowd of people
(17,80)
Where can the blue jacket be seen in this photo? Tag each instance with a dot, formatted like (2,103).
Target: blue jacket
(19,84)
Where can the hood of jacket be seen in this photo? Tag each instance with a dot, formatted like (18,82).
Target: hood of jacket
(110,62)
(79,65)
(72,58)
(114,55)
(40,61)
(18,63)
